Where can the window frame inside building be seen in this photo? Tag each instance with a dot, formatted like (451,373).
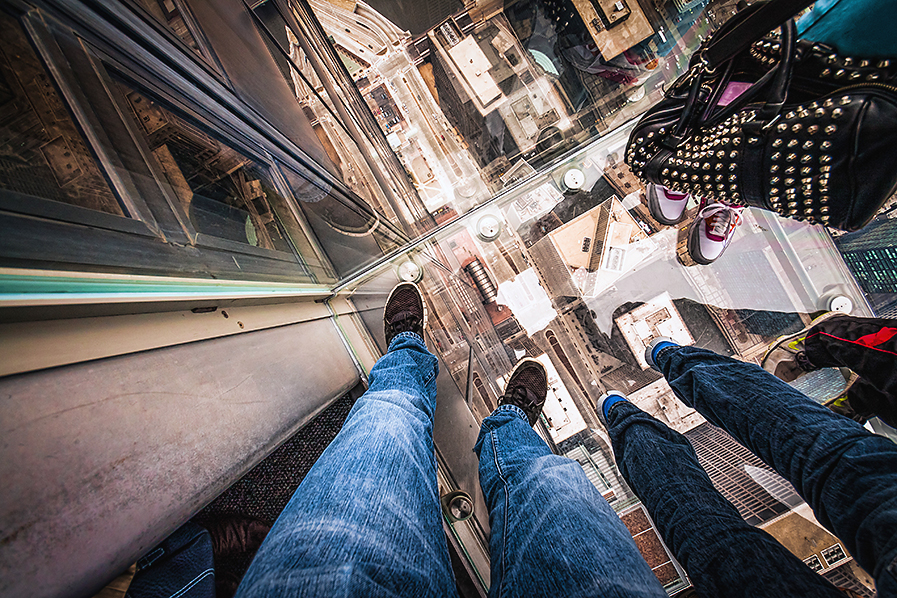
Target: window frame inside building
(202,50)
(154,235)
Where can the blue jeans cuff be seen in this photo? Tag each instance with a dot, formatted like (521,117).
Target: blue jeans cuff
(412,336)
(663,349)
(513,409)
(610,402)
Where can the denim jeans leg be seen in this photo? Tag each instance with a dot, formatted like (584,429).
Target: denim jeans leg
(553,534)
(366,519)
(723,555)
(846,474)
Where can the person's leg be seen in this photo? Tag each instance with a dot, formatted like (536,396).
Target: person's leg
(366,519)
(868,346)
(846,474)
(723,555)
(553,534)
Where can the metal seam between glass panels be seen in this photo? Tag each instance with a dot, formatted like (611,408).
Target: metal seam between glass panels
(501,196)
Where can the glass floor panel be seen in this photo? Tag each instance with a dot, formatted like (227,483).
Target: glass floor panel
(512,125)
(583,281)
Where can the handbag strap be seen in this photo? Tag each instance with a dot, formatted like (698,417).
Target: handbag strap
(763,20)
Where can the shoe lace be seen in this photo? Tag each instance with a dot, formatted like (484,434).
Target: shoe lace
(520,396)
(721,219)
(804,362)
(404,322)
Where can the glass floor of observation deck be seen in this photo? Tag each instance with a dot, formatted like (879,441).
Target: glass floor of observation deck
(583,281)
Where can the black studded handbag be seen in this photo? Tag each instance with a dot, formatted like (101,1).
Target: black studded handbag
(763,119)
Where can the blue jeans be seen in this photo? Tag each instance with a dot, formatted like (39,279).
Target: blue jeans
(366,520)
(847,475)
(553,534)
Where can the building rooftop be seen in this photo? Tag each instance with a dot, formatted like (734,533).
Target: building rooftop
(474,67)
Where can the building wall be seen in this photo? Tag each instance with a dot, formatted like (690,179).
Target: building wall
(171,232)
(725,462)
(871,254)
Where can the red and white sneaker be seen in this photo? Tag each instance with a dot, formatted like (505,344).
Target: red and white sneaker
(711,231)
(666,206)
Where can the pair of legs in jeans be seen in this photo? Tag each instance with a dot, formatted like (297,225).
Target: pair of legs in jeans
(366,520)
(846,474)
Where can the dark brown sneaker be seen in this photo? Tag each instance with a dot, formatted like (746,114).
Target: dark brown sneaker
(405,311)
(527,388)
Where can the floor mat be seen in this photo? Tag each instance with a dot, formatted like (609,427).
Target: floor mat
(266,489)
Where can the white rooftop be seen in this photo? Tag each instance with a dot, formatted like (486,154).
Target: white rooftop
(474,66)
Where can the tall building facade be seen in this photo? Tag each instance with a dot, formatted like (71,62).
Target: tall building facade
(729,466)
(871,254)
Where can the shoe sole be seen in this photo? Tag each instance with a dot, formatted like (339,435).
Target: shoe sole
(786,338)
(526,361)
(650,349)
(657,213)
(423,325)
(693,241)
(848,383)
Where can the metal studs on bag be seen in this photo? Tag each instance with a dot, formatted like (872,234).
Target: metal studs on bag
(816,60)
(800,183)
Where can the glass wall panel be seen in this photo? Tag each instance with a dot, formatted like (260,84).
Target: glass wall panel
(321,78)
(153,188)
(583,280)
(224,194)
(44,155)
(476,96)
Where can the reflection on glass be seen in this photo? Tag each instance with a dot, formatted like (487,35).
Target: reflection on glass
(170,13)
(343,215)
(223,193)
(472,105)
(42,153)
(349,232)
(871,255)
(356,151)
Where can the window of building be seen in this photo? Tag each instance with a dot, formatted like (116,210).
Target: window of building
(224,194)
(358,151)
(834,554)
(814,563)
(44,155)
